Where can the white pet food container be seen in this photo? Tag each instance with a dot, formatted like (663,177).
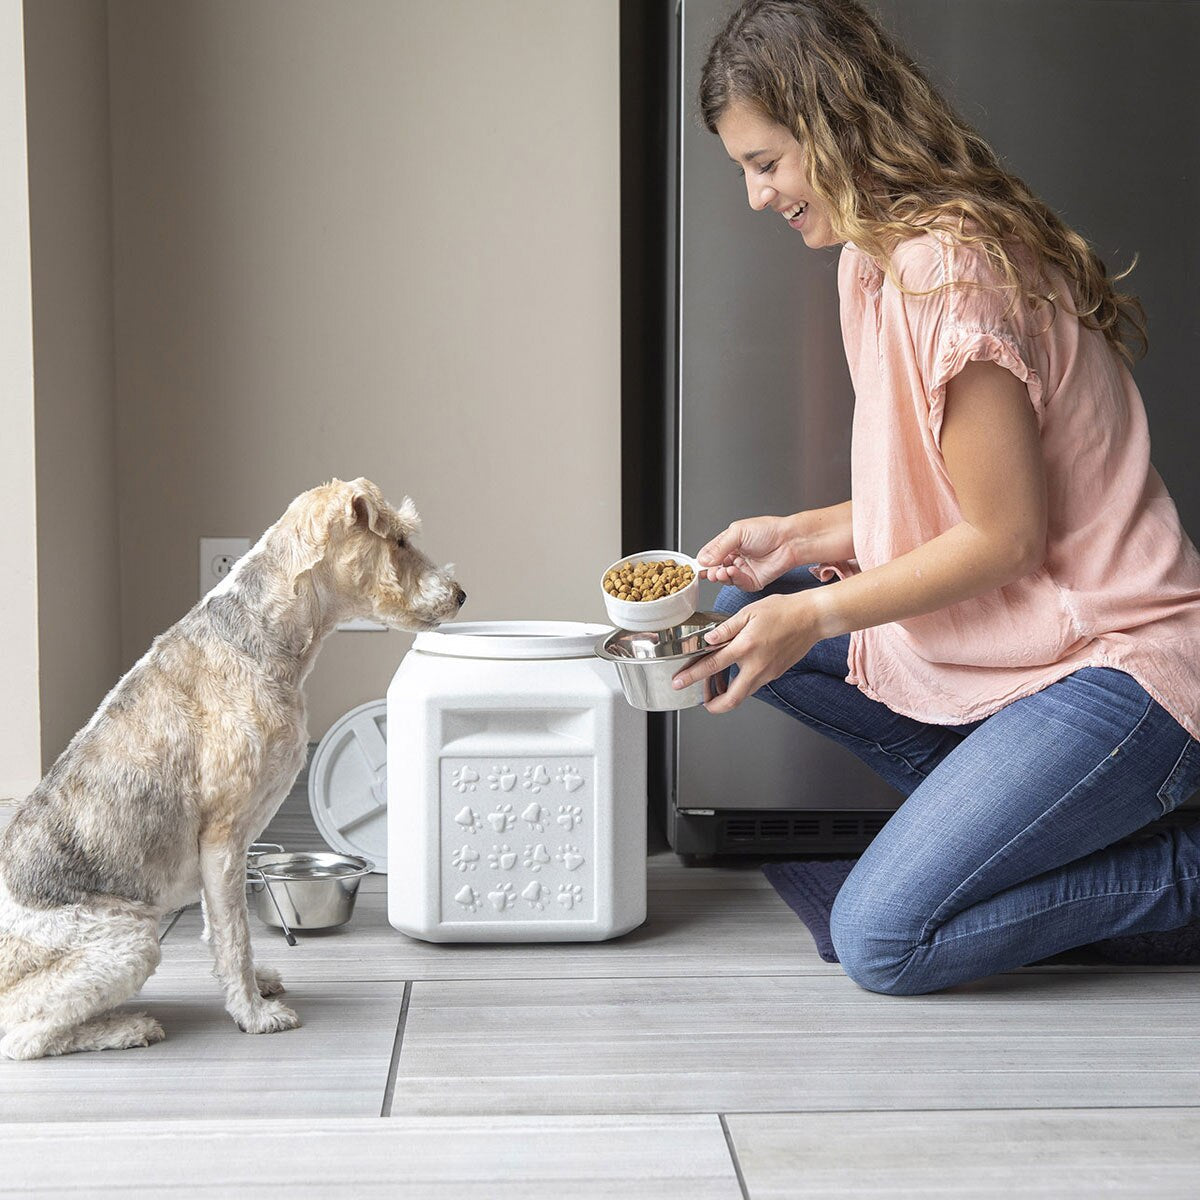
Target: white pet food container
(516,787)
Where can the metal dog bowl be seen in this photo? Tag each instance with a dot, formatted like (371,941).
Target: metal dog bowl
(646,663)
(303,890)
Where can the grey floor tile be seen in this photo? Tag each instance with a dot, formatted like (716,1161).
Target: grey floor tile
(707,931)
(336,1064)
(1153,1154)
(476,1158)
(763,1044)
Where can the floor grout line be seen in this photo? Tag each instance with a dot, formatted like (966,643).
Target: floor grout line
(389,1089)
(162,937)
(737,1166)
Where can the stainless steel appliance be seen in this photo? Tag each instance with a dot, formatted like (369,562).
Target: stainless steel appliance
(1094,103)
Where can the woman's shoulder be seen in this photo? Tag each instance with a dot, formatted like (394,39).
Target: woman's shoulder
(955,263)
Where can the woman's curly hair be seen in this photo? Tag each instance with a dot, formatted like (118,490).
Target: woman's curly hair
(890,157)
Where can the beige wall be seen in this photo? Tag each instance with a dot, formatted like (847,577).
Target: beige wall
(374,237)
(66,68)
(20,752)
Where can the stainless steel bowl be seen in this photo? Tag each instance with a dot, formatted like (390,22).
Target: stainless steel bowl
(646,663)
(302,890)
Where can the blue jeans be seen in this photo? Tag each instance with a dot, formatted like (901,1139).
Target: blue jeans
(1003,852)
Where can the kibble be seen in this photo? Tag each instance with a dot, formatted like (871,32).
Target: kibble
(647,580)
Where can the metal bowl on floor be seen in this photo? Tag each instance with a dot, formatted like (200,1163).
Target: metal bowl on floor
(305,890)
(647,661)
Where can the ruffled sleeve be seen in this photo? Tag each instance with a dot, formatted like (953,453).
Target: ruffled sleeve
(828,572)
(952,326)
(960,346)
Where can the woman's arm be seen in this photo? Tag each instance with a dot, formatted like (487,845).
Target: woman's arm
(993,455)
(992,450)
(824,534)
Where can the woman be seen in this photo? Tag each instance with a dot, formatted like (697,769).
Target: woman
(1008,629)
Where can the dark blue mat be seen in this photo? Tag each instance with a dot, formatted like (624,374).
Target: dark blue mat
(809,887)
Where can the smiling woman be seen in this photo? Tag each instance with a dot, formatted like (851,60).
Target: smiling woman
(777,172)
(1009,583)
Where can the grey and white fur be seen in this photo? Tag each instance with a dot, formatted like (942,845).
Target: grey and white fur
(156,800)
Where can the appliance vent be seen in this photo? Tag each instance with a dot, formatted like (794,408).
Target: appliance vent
(772,833)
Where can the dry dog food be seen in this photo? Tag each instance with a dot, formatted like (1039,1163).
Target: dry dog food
(647,580)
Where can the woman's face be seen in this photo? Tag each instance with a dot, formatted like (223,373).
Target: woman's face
(775,169)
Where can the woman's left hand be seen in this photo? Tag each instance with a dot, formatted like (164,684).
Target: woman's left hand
(763,640)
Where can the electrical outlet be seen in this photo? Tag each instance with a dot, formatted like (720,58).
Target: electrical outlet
(217,556)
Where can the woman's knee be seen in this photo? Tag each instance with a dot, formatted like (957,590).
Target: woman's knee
(875,949)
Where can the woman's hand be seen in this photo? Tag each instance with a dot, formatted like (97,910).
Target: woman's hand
(763,640)
(751,553)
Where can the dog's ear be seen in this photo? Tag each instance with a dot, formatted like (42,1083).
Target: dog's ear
(313,516)
(363,508)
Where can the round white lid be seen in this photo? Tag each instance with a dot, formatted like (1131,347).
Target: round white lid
(347,783)
(512,639)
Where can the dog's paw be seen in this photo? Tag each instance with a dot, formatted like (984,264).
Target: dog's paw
(269,981)
(268,1016)
(140,1030)
(21,1046)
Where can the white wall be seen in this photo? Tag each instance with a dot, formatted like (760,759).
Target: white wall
(20,751)
(376,237)
(66,89)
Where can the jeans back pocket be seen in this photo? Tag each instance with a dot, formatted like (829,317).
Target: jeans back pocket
(1184,778)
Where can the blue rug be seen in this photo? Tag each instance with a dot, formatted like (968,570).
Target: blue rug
(810,887)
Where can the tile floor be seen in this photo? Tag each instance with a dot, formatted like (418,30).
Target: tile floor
(709,1053)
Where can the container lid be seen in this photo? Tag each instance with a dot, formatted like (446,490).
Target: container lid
(512,639)
(347,784)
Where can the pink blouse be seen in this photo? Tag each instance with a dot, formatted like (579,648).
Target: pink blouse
(1120,585)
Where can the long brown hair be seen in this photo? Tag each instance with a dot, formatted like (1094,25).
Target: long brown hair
(890,157)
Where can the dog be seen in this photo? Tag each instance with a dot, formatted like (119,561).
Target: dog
(157,799)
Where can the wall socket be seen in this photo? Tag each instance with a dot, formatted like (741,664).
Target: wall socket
(217,556)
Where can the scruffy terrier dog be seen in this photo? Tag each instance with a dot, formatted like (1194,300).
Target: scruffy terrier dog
(158,797)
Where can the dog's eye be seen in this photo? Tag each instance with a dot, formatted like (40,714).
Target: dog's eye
(402,543)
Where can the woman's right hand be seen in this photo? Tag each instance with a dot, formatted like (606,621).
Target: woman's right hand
(751,553)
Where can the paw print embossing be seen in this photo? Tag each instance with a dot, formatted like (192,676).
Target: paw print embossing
(503,819)
(536,817)
(569,894)
(536,857)
(536,778)
(468,897)
(570,857)
(569,815)
(503,858)
(465,859)
(503,896)
(465,779)
(536,895)
(468,818)
(502,778)
(569,778)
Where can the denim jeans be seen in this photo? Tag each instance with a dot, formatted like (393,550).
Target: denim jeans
(1003,852)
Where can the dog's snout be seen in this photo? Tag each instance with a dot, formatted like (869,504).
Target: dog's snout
(462,597)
